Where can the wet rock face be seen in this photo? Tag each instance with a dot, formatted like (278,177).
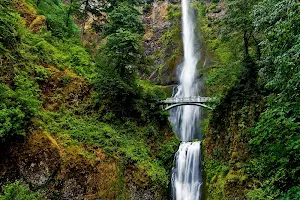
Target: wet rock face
(38,159)
(35,160)
(162,41)
(156,26)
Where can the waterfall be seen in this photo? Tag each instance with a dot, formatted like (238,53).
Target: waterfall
(186,176)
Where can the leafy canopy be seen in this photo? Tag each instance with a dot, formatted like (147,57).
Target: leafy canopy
(125,16)
(124,50)
(275,139)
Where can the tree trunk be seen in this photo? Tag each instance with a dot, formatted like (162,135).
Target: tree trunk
(257,47)
(246,43)
(69,13)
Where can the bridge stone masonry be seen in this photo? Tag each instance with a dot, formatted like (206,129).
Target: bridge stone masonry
(170,103)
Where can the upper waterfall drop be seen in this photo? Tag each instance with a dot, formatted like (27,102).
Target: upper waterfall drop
(186,176)
(186,118)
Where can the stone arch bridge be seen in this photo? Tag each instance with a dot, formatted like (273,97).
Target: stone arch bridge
(170,103)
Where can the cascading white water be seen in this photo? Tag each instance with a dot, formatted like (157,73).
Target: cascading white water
(186,176)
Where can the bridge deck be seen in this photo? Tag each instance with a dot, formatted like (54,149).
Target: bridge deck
(196,99)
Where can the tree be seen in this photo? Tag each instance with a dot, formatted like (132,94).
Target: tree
(72,8)
(121,53)
(125,16)
(239,21)
(123,47)
(124,50)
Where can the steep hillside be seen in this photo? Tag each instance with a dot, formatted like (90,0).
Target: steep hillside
(75,124)
(251,141)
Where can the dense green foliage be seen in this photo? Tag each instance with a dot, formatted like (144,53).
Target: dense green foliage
(124,16)
(17,106)
(58,22)
(124,31)
(256,53)
(275,139)
(123,54)
(22,53)
(123,50)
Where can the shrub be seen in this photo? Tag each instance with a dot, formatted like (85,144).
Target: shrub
(120,99)
(10,26)
(19,191)
(17,106)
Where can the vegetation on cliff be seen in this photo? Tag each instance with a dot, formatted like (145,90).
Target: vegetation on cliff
(75,120)
(252,139)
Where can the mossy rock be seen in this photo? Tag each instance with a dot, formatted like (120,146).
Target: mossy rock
(139,185)
(38,159)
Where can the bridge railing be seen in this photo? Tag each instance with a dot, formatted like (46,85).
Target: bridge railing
(193,99)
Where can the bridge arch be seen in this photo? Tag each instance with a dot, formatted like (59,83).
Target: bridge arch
(187,104)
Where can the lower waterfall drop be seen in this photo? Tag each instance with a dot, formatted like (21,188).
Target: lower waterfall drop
(186,176)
